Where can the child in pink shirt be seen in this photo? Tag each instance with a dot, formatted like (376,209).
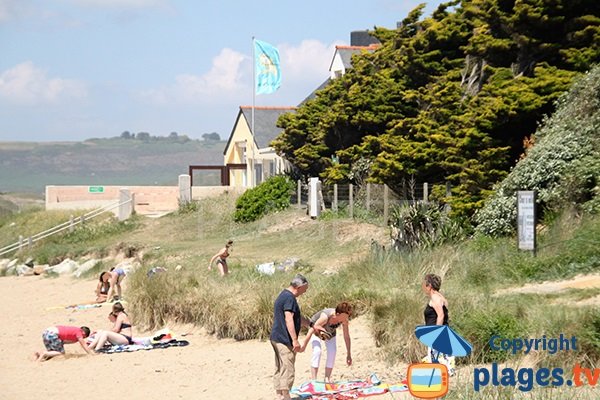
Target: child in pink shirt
(55,338)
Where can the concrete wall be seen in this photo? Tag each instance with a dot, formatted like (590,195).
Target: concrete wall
(148,200)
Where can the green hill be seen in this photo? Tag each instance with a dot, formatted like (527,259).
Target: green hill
(30,166)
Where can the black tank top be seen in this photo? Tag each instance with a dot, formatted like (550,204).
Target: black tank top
(431,316)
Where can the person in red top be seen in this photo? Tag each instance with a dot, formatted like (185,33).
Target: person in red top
(55,338)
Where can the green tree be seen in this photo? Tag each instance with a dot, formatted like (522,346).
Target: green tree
(142,136)
(211,136)
(447,98)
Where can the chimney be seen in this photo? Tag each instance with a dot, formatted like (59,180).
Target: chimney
(362,38)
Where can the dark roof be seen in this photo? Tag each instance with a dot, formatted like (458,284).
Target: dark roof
(314,92)
(265,123)
(362,38)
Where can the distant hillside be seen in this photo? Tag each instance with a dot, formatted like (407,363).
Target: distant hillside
(30,166)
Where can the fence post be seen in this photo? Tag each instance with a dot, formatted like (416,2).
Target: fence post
(334,206)
(320,197)
(29,242)
(20,242)
(425,192)
(368,197)
(125,204)
(82,219)
(299,194)
(386,205)
(71,223)
(185,189)
(351,199)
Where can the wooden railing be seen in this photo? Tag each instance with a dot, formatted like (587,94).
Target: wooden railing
(68,225)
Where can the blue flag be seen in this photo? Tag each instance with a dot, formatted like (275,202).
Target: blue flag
(266,64)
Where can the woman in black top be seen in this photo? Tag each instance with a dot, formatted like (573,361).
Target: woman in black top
(436,311)
(120,333)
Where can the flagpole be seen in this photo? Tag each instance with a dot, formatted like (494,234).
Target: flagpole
(251,164)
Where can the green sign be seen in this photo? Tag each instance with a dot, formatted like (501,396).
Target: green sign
(96,189)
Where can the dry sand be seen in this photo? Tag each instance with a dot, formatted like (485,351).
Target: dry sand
(206,369)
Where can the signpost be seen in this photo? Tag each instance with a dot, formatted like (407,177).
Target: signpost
(526,219)
(95,189)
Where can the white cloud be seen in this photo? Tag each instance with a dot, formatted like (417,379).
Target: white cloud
(223,80)
(27,84)
(309,60)
(229,79)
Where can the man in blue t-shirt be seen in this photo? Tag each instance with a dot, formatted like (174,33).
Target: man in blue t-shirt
(284,335)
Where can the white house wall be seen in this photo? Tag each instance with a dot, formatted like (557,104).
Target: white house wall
(337,68)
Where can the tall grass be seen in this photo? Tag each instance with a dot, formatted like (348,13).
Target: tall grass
(386,286)
(383,285)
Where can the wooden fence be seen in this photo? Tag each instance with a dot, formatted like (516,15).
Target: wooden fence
(374,199)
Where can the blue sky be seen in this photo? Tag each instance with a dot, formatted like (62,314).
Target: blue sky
(76,69)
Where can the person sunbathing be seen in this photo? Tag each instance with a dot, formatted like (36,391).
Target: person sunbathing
(121,332)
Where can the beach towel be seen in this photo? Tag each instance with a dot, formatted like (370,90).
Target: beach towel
(343,390)
(76,306)
(85,306)
(135,347)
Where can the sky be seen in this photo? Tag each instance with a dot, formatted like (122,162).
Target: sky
(71,70)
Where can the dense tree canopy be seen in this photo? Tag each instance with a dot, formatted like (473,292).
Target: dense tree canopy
(447,98)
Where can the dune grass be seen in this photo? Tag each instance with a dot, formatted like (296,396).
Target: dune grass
(384,285)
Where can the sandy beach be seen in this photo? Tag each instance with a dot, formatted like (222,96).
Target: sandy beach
(206,369)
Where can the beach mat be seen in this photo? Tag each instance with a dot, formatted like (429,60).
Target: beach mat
(85,306)
(343,390)
(136,347)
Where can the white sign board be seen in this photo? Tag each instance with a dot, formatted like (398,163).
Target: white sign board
(526,219)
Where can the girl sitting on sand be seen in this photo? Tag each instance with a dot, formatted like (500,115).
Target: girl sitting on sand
(121,332)
(103,287)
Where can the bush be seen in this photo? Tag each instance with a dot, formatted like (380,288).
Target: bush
(188,207)
(271,195)
(423,225)
(568,137)
(480,324)
(582,183)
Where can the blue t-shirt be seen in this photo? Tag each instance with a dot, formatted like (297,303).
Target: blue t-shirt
(285,302)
